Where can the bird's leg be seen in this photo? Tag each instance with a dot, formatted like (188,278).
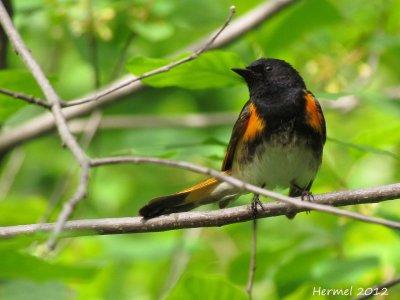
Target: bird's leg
(256,201)
(305,195)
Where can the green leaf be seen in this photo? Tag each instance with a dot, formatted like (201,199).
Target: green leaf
(19,81)
(210,287)
(17,265)
(211,70)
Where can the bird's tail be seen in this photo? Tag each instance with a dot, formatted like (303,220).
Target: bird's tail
(207,191)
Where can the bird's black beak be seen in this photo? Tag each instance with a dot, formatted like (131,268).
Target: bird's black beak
(247,74)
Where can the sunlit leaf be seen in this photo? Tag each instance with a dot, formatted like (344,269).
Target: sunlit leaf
(211,70)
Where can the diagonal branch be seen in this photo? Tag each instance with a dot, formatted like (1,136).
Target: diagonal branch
(55,107)
(45,123)
(55,103)
(162,69)
(214,218)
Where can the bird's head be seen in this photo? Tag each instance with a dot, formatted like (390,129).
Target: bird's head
(270,75)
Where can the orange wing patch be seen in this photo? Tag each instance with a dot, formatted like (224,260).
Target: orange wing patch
(314,116)
(255,124)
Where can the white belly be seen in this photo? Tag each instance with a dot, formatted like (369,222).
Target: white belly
(280,165)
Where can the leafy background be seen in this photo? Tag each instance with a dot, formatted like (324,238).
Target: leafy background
(334,45)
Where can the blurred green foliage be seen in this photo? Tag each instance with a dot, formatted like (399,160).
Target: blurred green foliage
(340,47)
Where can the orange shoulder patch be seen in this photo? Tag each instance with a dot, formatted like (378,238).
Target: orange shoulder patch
(314,117)
(255,124)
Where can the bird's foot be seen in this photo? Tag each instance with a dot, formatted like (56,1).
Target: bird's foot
(307,196)
(256,201)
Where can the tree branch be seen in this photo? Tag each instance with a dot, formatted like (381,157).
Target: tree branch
(24,97)
(55,102)
(3,37)
(162,69)
(253,260)
(394,189)
(214,218)
(45,123)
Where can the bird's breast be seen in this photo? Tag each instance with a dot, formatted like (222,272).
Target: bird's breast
(277,160)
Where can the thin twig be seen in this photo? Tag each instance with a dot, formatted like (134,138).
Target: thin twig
(162,69)
(380,288)
(3,37)
(194,219)
(89,130)
(243,186)
(27,98)
(63,130)
(55,102)
(253,260)
(45,123)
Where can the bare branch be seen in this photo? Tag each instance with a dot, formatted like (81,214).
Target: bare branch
(43,82)
(63,130)
(27,98)
(90,129)
(162,69)
(68,208)
(3,38)
(245,186)
(195,219)
(45,123)
(253,260)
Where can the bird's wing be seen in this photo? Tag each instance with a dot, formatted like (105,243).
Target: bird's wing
(315,116)
(237,133)
(248,126)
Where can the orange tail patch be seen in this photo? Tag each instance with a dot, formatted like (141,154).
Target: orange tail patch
(181,201)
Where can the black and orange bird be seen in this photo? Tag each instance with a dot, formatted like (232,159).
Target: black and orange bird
(277,141)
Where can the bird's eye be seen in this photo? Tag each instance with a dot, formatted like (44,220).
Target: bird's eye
(268,68)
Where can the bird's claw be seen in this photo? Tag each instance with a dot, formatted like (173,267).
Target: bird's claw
(307,196)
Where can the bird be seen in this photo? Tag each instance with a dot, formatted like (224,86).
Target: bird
(276,142)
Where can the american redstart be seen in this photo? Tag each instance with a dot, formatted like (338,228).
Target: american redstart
(277,141)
